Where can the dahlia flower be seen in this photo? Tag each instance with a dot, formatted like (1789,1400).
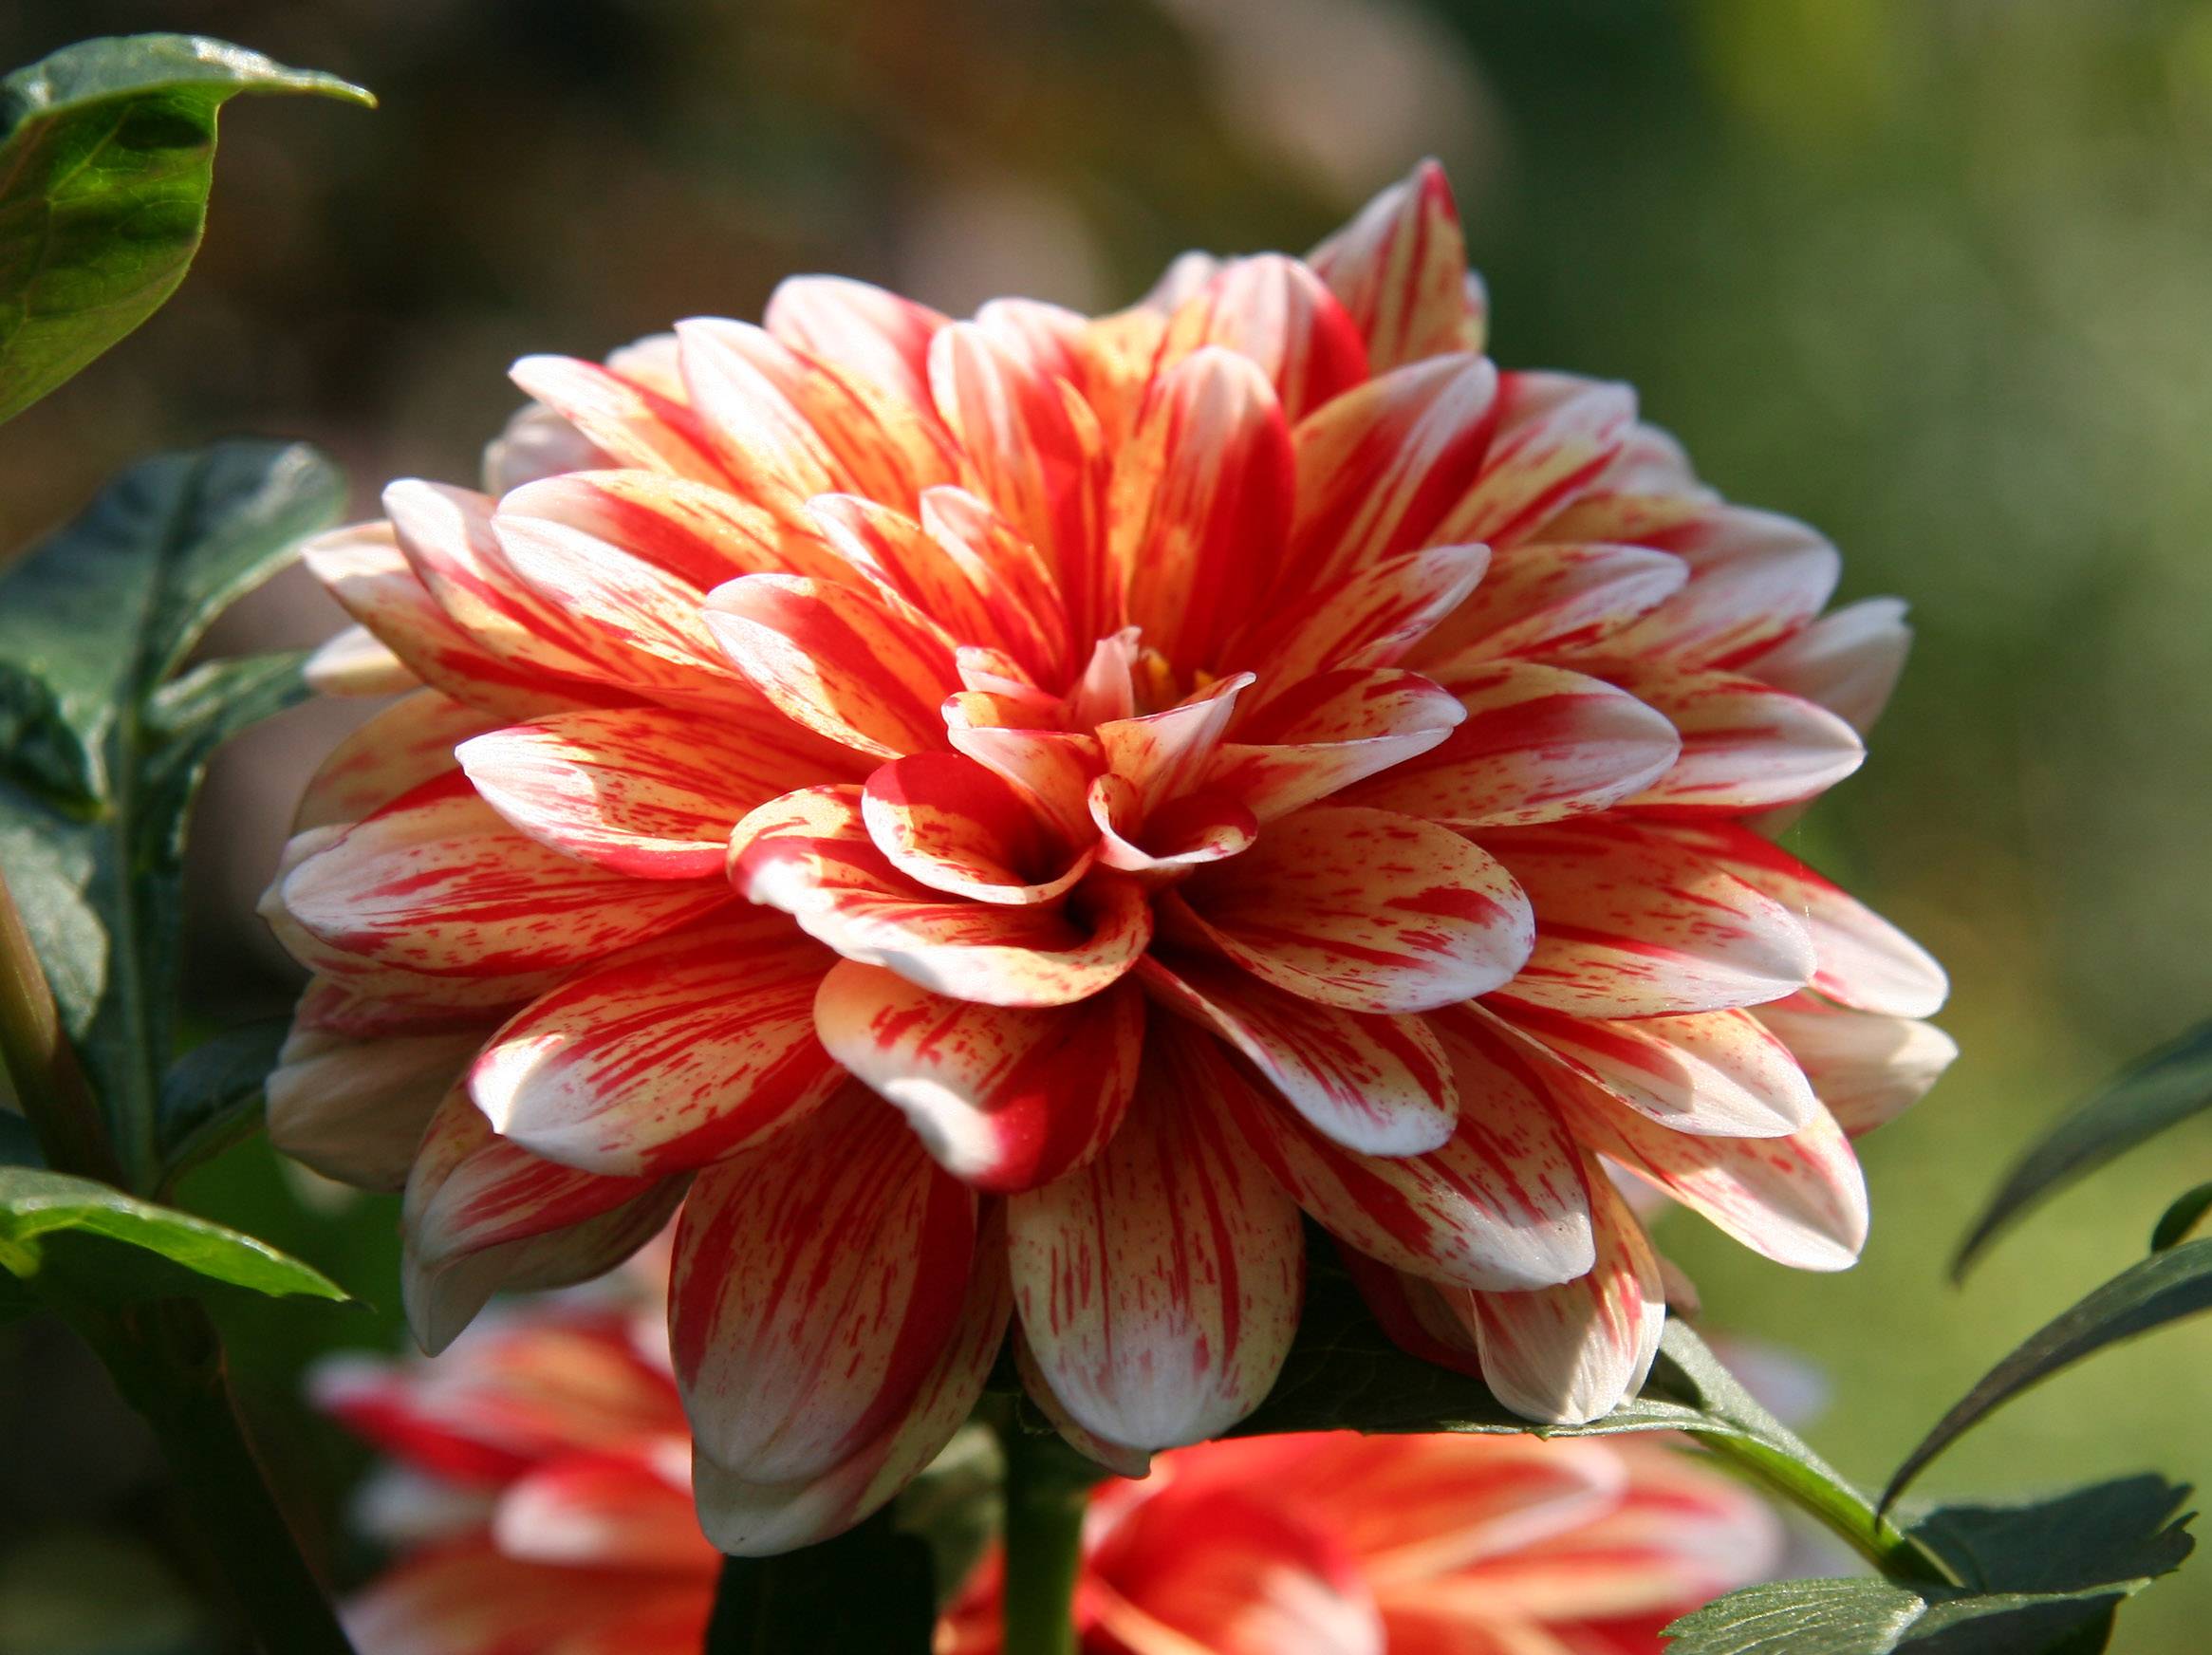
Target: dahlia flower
(534,1502)
(999,816)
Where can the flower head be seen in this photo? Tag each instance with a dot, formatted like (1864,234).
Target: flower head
(1239,756)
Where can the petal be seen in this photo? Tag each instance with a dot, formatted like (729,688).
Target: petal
(1718,1072)
(1401,269)
(1756,578)
(810,854)
(1329,732)
(434,883)
(355,1109)
(1365,910)
(1540,599)
(1868,1070)
(1865,962)
(1032,449)
(1501,1204)
(1118,1457)
(863,331)
(1018,584)
(1005,1098)
(854,666)
(1158,1285)
(606,1510)
(1380,466)
(698,532)
(1537,744)
(631,423)
(402,747)
(666,1057)
(753,1520)
(535,442)
(957,827)
(1052,768)
(1377,1084)
(1279,314)
(1200,828)
(1633,924)
(899,557)
(1847,661)
(1555,434)
(356,661)
(818,1278)
(1572,1353)
(741,381)
(643,791)
(1373,619)
(1800,1200)
(1745,747)
(1198,506)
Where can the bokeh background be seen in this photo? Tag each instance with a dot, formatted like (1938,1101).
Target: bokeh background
(1934,274)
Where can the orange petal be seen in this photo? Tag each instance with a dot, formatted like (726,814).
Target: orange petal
(1277,313)
(402,747)
(957,827)
(1541,598)
(1401,269)
(1329,732)
(1555,434)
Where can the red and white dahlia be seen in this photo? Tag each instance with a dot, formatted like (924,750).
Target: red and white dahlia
(1239,756)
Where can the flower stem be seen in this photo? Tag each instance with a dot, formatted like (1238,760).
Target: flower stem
(1048,1489)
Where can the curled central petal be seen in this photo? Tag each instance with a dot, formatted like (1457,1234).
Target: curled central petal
(1241,753)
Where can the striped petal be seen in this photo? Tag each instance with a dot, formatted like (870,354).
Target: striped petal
(1572,1353)
(1536,744)
(1380,466)
(1279,314)
(356,661)
(1542,599)
(1500,1204)
(1329,732)
(1634,925)
(1365,910)
(1372,619)
(1004,1098)
(1865,962)
(436,883)
(1800,1200)
(669,1056)
(953,824)
(1756,578)
(1020,590)
(1718,1072)
(405,745)
(631,423)
(1376,1085)
(1198,506)
(1745,747)
(810,854)
(1158,1285)
(1555,432)
(1847,661)
(699,533)
(1401,269)
(818,1280)
(1867,1070)
(354,1109)
(857,667)
(643,791)
(863,331)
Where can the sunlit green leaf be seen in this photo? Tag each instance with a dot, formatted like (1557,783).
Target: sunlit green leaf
(868,1591)
(2162,1090)
(72,1238)
(2164,1287)
(106,154)
(102,741)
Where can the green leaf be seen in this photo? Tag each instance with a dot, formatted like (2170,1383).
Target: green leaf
(210,1097)
(102,743)
(2163,1090)
(73,1239)
(2175,1223)
(107,150)
(2047,1577)
(2164,1287)
(866,1592)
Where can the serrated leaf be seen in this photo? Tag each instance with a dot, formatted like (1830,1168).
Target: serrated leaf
(2175,1223)
(2162,1090)
(102,744)
(868,1591)
(2046,1577)
(2164,1287)
(210,1097)
(106,156)
(72,1240)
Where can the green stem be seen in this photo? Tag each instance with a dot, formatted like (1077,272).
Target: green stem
(1841,1509)
(167,1359)
(1048,1489)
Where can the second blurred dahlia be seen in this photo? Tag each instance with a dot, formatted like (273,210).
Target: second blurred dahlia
(1007,812)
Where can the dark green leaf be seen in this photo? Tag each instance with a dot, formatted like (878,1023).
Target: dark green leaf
(2163,1288)
(102,743)
(211,1096)
(2046,1577)
(866,1593)
(954,1506)
(2163,1090)
(18,1143)
(72,1238)
(106,154)
(2175,1223)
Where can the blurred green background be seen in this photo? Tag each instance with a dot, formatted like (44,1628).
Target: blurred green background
(1934,274)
